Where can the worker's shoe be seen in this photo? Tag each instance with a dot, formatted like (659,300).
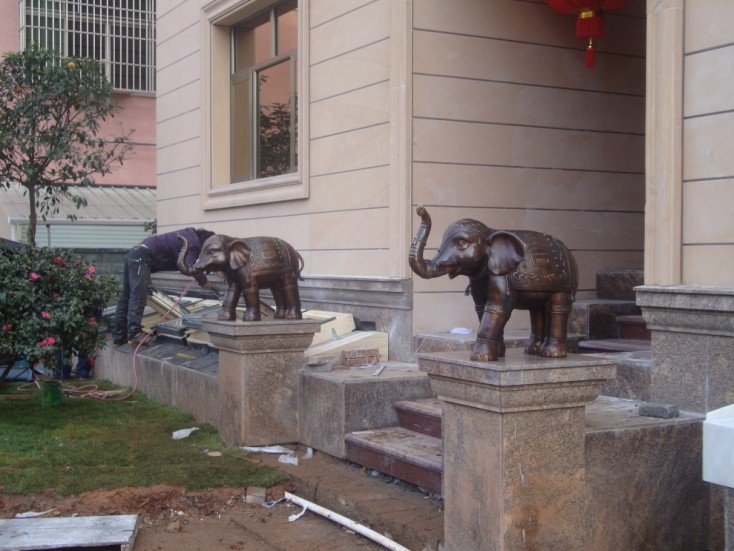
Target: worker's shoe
(138,340)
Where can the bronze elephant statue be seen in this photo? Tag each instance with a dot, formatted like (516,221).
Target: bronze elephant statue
(526,270)
(249,264)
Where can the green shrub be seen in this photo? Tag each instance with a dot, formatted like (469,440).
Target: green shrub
(50,303)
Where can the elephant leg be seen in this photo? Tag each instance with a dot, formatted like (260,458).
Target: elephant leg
(490,345)
(229,304)
(537,331)
(280,303)
(252,304)
(557,330)
(292,300)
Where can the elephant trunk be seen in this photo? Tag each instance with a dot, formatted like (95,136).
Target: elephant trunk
(426,269)
(181,263)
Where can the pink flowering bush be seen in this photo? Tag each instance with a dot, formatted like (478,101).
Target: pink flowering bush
(48,302)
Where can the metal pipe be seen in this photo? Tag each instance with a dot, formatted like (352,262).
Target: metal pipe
(347,523)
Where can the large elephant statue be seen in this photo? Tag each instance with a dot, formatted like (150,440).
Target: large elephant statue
(249,264)
(506,269)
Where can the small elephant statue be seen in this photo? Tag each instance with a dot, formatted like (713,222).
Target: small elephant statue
(249,264)
(520,269)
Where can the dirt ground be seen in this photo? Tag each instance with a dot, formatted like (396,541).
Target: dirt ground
(172,519)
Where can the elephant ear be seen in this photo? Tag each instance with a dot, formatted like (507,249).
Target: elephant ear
(239,253)
(506,251)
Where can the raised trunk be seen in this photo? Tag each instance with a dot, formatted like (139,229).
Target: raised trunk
(426,269)
(181,264)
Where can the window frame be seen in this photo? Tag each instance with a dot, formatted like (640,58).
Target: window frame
(219,17)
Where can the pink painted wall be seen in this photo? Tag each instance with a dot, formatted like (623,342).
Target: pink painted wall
(138,114)
(9,20)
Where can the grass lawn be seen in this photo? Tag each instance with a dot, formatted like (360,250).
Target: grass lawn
(86,444)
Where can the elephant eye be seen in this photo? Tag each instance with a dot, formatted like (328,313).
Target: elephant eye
(462,244)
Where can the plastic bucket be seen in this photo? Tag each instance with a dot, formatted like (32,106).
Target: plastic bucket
(51,393)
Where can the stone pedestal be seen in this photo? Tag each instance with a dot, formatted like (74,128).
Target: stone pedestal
(692,330)
(513,448)
(259,377)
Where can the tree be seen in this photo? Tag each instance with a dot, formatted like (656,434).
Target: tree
(50,114)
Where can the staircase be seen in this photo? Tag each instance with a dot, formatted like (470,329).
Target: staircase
(411,451)
(610,323)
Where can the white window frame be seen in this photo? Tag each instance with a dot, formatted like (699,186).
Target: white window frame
(62,14)
(217,189)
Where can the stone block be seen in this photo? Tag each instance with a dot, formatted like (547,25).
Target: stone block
(661,411)
(650,466)
(335,403)
(692,344)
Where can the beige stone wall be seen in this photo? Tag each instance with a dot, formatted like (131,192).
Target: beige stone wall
(512,129)
(353,221)
(473,108)
(708,132)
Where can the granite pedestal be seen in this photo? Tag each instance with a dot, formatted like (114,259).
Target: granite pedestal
(513,448)
(692,330)
(259,377)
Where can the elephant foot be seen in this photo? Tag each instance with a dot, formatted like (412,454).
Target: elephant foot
(251,314)
(534,347)
(279,314)
(487,351)
(553,348)
(293,315)
(226,315)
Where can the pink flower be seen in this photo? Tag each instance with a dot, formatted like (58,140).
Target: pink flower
(7,327)
(33,276)
(90,270)
(45,315)
(56,295)
(93,321)
(60,261)
(87,276)
(48,341)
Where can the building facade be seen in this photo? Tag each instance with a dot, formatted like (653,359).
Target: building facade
(472,108)
(121,34)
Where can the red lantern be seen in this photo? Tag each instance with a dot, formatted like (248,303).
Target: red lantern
(589,19)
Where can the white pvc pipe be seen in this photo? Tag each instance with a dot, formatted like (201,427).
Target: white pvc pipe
(347,523)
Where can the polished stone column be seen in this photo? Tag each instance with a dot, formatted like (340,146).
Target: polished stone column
(259,377)
(513,448)
(692,345)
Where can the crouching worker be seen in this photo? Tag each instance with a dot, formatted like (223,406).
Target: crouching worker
(155,254)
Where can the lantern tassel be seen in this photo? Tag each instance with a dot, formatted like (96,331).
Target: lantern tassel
(590,55)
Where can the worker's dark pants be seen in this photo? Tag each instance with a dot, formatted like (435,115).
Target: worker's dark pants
(131,304)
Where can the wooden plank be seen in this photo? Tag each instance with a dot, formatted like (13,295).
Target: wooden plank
(24,534)
(333,325)
(351,341)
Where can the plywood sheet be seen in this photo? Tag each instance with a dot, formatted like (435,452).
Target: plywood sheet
(68,532)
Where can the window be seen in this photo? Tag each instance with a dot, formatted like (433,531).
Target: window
(263,94)
(120,33)
(253,81)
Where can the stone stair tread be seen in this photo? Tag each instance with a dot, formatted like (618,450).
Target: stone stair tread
(632,319)
(430,407)
(403,444)
(614,345)
(420,415)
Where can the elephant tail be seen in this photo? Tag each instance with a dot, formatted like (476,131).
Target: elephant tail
(301,264)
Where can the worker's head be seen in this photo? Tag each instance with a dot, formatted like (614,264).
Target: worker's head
(203,234)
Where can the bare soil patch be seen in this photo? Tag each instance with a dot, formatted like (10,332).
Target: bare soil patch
(171,518)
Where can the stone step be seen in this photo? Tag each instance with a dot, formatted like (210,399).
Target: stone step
(423,416)
(633,327)
(396,451)
(614,345)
